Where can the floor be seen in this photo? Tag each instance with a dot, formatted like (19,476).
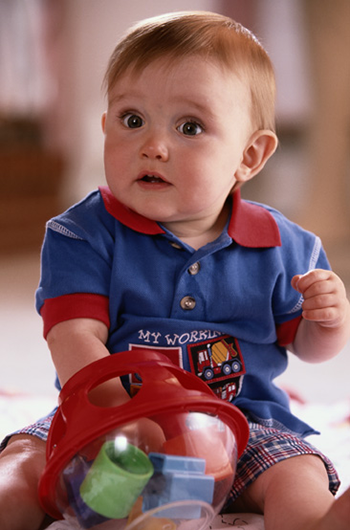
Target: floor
(27,366)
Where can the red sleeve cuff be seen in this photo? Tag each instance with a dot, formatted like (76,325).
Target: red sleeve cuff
(286,332)
(78,305)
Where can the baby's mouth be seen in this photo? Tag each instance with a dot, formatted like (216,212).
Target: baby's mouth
(153,179)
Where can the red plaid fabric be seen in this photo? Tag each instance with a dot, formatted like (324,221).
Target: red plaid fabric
(268,446)
(40,429)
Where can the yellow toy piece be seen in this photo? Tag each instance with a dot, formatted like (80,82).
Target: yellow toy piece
(150,523)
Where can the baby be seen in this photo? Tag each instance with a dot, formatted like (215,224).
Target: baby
(168,256)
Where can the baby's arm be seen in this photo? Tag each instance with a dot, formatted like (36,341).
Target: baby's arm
(325,326)
(78,342)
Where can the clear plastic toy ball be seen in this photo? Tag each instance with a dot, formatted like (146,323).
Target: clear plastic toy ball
(165,460)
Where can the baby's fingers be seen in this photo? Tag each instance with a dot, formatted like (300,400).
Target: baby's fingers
(314,279)
(324,296)
(325,314)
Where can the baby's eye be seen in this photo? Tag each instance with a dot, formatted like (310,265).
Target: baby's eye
(190,128)
(132,121)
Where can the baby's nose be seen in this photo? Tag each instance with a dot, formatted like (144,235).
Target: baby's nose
(155,148)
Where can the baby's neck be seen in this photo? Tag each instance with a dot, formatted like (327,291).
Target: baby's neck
(196,242)
(199,234)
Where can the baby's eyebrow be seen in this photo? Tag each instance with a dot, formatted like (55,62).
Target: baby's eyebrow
(119,97)
(196,106)
(192,102)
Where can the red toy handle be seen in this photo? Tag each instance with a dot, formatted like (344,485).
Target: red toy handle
(164,386)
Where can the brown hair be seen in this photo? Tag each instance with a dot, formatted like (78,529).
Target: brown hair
(210,35)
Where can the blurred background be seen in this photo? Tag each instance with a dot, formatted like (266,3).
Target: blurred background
(53,55)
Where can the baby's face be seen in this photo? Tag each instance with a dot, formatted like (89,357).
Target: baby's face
(174,140)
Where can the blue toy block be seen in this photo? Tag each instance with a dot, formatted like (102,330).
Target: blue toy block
(178,478)
(170,463)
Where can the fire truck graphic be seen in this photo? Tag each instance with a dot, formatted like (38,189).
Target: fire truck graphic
(219,362)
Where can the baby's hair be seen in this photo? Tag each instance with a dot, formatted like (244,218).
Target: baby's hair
(198,33)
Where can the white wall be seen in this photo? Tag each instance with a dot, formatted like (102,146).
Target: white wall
(283,30)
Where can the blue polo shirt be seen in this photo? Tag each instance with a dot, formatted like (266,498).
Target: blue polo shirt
(224,312)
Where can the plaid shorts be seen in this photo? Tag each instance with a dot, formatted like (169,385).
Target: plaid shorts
(40,429)
(266,447)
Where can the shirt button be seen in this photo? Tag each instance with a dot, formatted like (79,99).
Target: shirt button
(194,269)
(188,303)
(176,245)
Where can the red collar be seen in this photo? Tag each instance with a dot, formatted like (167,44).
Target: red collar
(250,225)
(128,217)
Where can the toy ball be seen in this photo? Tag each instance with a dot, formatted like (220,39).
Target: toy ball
(164,460)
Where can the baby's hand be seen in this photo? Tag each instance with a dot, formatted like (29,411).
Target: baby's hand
(146,434)
(325,300)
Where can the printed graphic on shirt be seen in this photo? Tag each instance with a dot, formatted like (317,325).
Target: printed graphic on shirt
(220,364)
(218,361)
(174,354)
(146,336)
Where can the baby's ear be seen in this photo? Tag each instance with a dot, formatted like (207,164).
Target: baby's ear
(261,145)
